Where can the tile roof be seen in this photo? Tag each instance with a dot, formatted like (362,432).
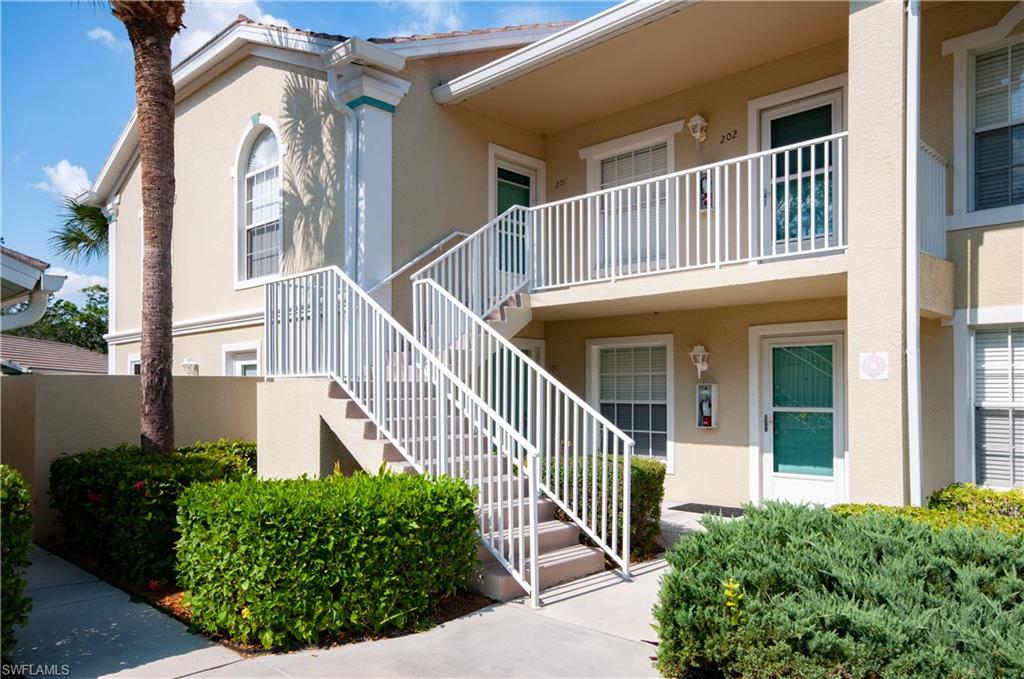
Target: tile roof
(242,19)
(45,356)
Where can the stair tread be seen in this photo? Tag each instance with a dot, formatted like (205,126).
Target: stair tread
(549,559)
(549,526)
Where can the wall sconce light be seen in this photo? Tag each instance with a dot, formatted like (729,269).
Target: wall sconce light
(190,367)
(699,357)
(698,127)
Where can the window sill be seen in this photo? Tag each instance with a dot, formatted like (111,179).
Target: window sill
(992,217)
(256,282)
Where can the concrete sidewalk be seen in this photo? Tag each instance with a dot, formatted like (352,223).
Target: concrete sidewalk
(595,627)
(95,630)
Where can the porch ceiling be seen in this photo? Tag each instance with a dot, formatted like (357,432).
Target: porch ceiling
(735,285)
(697,44)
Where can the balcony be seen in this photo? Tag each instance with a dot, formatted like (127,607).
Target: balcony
(652,242)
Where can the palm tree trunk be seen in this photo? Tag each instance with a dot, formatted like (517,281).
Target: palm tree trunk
(151,25)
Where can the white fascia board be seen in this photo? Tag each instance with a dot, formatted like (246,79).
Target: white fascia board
(464,44)
(19,273)
(359,51)
(587,33)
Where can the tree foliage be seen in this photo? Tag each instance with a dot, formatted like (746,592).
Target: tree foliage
(82,234)
(64,321)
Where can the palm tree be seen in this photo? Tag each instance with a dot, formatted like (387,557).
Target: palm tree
(151,25)
(83,233)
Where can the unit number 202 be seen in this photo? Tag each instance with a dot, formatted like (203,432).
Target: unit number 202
(729,136)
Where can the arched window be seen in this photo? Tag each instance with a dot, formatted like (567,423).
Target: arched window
(261,223)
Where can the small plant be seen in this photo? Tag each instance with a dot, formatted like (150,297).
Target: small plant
(732,590)
(119,504)
(288,562)
(15,543)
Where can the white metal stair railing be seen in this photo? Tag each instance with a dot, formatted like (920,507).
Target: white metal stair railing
(931,196)
(321,323)
(786,202)
(584,460)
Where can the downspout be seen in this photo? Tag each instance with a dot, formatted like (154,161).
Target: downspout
(38,300)
(351,170)
(913,302)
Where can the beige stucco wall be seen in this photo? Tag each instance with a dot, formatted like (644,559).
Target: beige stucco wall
(989,269)
(936,404)
(44,416)
(206,349)
(209,128)
(709,466)
(723,102)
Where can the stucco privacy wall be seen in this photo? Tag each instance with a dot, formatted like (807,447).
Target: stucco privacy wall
(710,465)
(206,349)
(989,269)
(723,102)
(209,127)
(43,416)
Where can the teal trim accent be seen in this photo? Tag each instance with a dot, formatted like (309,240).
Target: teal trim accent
(370,101)
(254,119)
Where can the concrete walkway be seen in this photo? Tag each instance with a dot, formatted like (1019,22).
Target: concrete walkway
(595,627)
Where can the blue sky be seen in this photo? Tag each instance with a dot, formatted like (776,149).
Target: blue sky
(66,87)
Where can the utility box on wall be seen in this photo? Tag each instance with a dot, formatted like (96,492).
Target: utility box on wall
(707,406)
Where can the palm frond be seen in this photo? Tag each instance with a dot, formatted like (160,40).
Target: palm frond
(82,235)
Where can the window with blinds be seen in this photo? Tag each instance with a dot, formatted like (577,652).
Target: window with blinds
(262,237)
(638,216)
(633,394)
(999,127)
(999,407)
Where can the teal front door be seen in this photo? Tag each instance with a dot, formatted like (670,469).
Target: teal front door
(803,419)
(514,187)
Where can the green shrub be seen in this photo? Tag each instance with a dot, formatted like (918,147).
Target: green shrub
(807,592)
(285,562)
(118,504)
(968,497)
(226,449)
(647,490)
(960,504)
(15,543)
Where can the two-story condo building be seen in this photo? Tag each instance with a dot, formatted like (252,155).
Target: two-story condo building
(776,245)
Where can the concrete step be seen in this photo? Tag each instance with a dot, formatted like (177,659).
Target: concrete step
(559,565)
(545,512)
(551,535)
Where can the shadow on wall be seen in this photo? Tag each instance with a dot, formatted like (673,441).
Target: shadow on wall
(314,140)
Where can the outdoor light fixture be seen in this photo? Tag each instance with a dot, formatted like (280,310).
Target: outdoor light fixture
(699,357)
(698,127)
(190,366)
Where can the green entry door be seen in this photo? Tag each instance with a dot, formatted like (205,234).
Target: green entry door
(514,187)
(803,420)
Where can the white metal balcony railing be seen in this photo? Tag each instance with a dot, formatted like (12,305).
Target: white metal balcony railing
(931,197)
(321,323)
(584,461)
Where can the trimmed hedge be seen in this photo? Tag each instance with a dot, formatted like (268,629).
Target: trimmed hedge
(960,504)
(119,504)
(807,592)
(647,490)
(287,562)
(15,543)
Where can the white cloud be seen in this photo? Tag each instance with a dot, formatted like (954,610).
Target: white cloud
(107,39)
(423,18)
(206,18)
(519,13)
(72,288)
(64,179)
(20,156)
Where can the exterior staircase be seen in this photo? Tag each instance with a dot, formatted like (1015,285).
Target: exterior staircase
(511,316)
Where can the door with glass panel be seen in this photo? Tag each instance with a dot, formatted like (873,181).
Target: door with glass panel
(803,419)
(800,189)
(514,186)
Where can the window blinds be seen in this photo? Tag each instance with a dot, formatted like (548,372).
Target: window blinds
(999,406)
(999,127)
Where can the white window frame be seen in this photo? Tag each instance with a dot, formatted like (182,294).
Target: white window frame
(963,48)
(257,124)
(229,352)
(535,168)
(131,361)
(593,347)
(656,135)
(965,322)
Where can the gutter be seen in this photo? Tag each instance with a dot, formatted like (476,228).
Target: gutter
(38,300)
(912,253)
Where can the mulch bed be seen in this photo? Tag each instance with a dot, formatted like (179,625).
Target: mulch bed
(169,599)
